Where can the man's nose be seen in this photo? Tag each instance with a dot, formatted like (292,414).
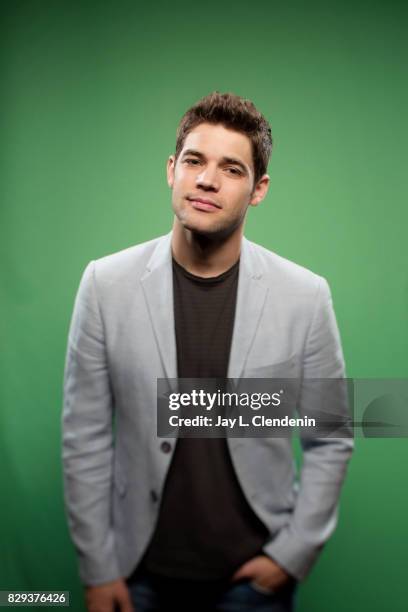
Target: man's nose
(208,179)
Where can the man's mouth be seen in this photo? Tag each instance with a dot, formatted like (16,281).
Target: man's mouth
(203,203)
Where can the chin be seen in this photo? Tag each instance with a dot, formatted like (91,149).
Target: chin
(194,224)
(204,225)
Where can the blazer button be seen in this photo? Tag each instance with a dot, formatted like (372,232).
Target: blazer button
(153,496)
(165,447)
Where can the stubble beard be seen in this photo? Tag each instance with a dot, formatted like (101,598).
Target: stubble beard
(217,230)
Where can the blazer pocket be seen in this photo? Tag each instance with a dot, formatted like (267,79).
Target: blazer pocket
(281,369)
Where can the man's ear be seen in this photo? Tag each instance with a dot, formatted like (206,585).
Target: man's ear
(260,190)
(171,163)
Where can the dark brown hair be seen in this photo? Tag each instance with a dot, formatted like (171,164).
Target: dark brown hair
(235,113)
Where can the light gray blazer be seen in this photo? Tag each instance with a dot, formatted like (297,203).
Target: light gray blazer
(122,339)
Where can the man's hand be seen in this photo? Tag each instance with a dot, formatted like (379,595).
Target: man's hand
(110,597)
(265,572)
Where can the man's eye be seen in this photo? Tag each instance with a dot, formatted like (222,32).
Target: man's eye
(234,171)
(191,161)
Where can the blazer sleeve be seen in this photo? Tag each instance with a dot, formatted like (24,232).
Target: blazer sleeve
(324,463)
(87,438)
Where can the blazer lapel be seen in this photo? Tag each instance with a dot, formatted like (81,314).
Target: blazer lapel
(157,283)
(251,295)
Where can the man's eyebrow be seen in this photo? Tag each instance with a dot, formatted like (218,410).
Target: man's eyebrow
(225,160)
(235,162)
(192,152)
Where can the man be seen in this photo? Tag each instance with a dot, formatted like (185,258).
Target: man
(212,524)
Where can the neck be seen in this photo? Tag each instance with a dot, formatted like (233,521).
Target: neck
(203,255)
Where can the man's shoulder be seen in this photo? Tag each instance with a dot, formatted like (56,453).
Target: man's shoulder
(130,261)
(276,269)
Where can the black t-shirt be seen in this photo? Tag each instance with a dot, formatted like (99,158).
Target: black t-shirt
(205,528)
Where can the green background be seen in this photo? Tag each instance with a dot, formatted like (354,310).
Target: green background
(91,94)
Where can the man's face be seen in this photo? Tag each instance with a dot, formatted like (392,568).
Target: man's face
(213,180)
